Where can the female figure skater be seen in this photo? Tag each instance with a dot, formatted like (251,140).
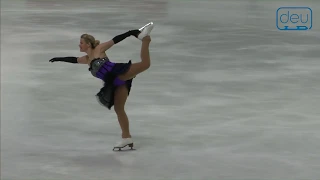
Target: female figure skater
(117,77)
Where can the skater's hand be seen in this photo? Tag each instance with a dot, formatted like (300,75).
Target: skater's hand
(54,60)
(134,33)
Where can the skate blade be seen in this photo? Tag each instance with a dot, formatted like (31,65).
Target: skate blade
(149,24)
(129,148)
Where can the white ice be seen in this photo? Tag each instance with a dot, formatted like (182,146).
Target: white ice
(228,95)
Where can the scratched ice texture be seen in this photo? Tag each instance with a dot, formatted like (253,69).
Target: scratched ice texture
(228,95)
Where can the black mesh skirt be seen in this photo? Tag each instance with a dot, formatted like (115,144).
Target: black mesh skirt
(111,81)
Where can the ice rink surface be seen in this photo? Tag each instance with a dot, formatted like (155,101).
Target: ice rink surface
(228,95)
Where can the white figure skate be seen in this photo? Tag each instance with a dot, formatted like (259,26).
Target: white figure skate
(145,30)
(123,143)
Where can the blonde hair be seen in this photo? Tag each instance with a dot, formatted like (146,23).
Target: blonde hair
(90,40)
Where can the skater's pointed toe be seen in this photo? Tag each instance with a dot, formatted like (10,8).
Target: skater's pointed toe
(145,30)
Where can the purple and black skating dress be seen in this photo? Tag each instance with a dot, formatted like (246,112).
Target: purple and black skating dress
(108,71)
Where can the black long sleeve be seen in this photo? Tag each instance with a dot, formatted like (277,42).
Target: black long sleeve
(123,36)
(68,59)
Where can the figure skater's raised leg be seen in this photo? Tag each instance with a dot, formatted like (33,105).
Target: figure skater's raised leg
(137,68)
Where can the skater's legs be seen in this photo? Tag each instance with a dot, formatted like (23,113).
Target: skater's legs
(120,99)
(139,67)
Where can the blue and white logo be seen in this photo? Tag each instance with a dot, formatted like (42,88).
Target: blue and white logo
(294,18)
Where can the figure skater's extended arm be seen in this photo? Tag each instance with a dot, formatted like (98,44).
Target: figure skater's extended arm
(101,47)
(107,45)
(71,59)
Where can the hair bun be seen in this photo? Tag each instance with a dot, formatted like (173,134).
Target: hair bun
(96,42)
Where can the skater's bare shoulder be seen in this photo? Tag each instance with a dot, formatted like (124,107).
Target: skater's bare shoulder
(103,47)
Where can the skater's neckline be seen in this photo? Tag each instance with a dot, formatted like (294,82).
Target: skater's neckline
(95,59)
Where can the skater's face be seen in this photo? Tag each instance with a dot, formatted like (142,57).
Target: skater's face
(83,45)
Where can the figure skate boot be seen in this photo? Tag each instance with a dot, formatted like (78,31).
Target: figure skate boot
(145,30)
(123,143)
